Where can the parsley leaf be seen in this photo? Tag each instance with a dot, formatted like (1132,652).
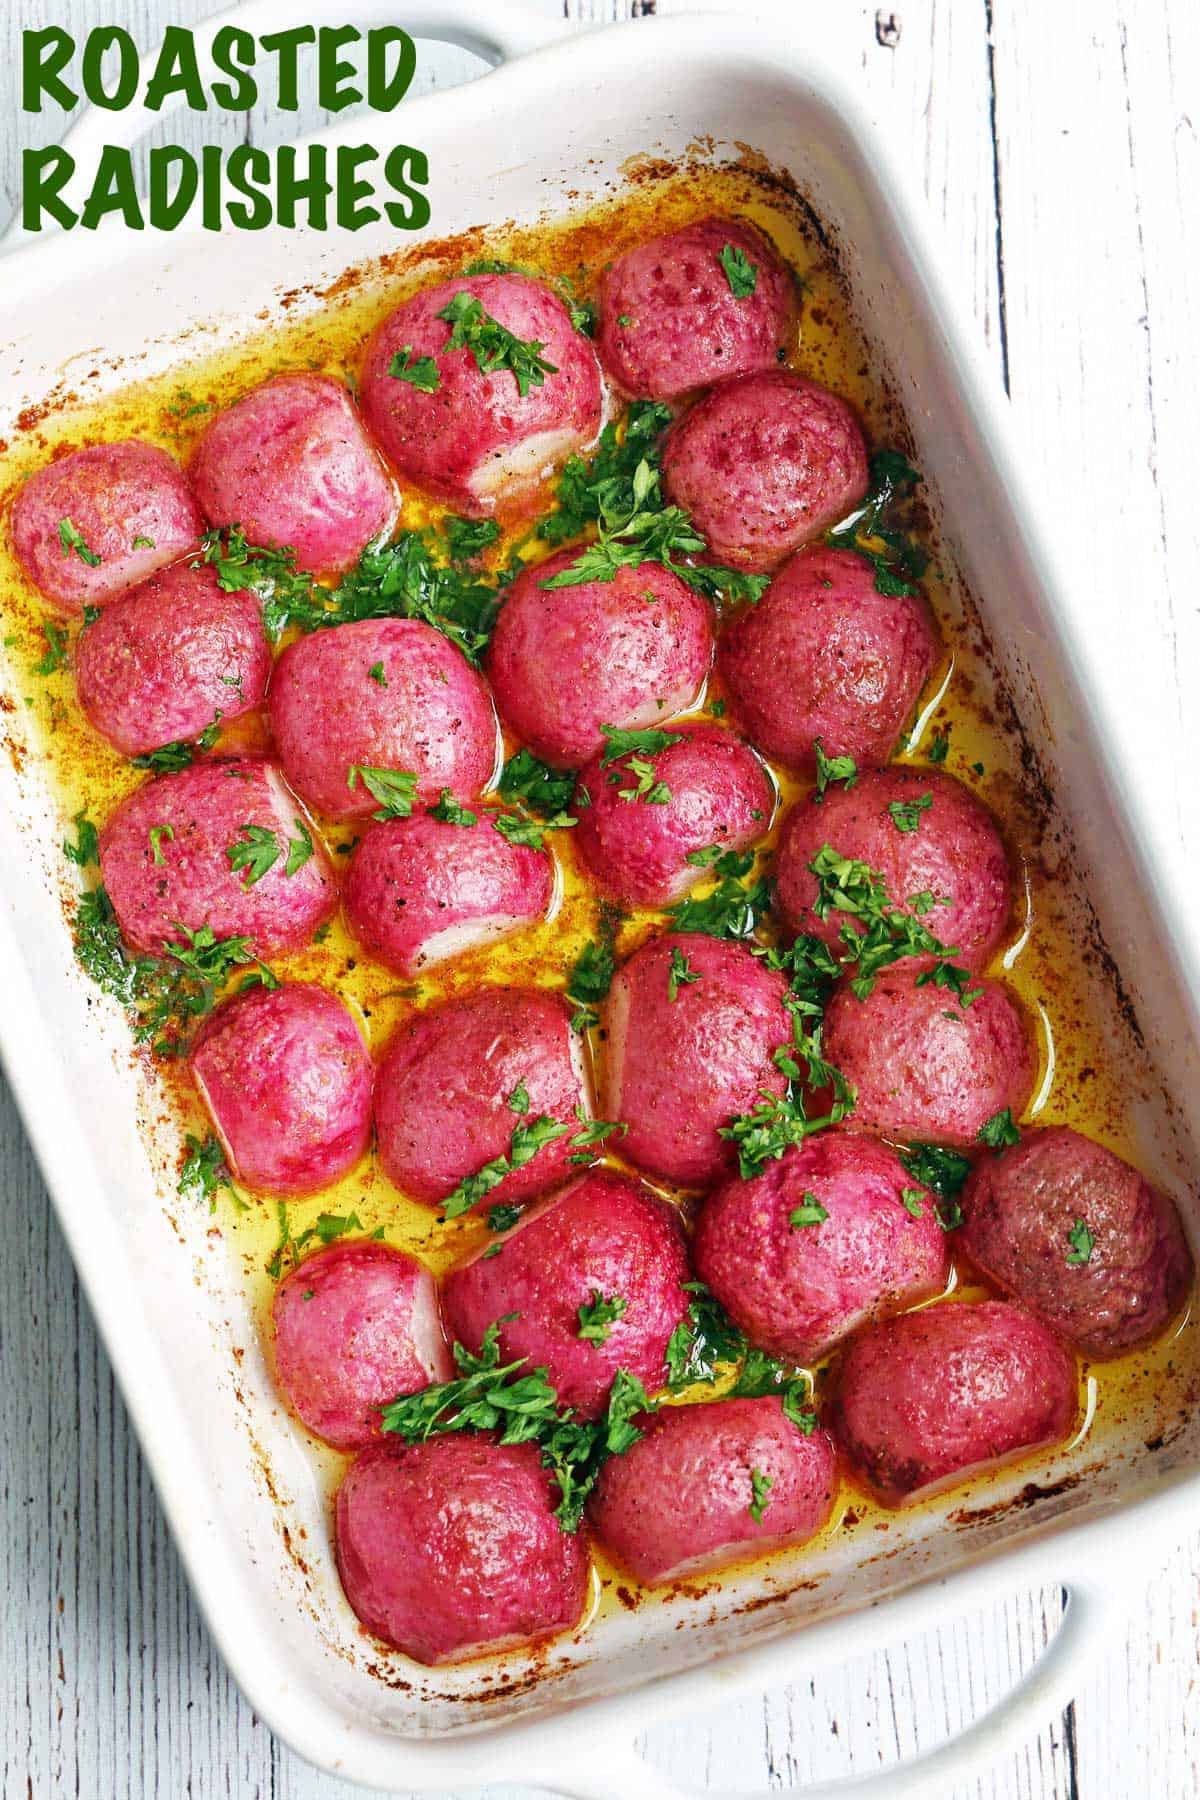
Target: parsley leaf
(423,373)
(809,1212)
(529,834)
(539,788)
(156,834)
(890,932)
(58,649)
(450,812)
(913,1200)
(945,1171)
(285,591)
(395,789)
(740,272)
(939,746)
(591,1133)
(468,538)
(585,488)
(256,851)
(647,742)
(205,1172)
(493,345)
(1082,1244)
(378,674)
(591,978)
(598,1316)
(760,1488)
(71,539)
(906,814)
(681,973)
(999,1130)
(731,910)
(86,848)
(646,785)
(832,768)
(899,563)
(168,759)
(707,1347)
(527,1140)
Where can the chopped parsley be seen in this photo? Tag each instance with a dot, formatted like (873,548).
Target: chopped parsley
(906,814)
(537,787)
(529,834)
(378,674)
(205,1172)
(156,834)
(913,1200)
(328,1228)
(167,993)
(58,650)
(647,742)
(740,272)
(888,932)
(598,1315)
(999,1130)
(527,1140)
(450,812)
(299,849)
(809,1212)
(468,538)
(518,1100)
(939,747)
(395,789)
(731,909)
(71,539)
(501,1217)
(143,543)
(760,1488)
(284,590)
(897,560)
(168,759)
(493,345)
(255,850)
(945,1171)
(707,1347)
(86,848)
(421,373)
(831,769)
(186,406)
(586,489)
(681,973)
(646,785)
(1082,1244)
(591,978)
(523,1407)
(591,1133)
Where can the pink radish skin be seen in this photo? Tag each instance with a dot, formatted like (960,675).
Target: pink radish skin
(823,655)
(170,656)
(925,1400)
(420,890)
(290,463)
(796,1290)
(603,1235)
(450,1550)
(287,1081)
(701,1461)
(356,1326)
(130,504)
(443,1100)
(677,1070)
(637,850)
(925,1067)
(1020,1209)
(564,662)
(955,853)
(765,464)
(425,711)
(197,815)
(671,322)
(476,442)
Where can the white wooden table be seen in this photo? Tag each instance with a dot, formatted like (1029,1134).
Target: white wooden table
(1058,147)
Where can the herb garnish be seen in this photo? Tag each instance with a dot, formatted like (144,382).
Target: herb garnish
(1082,1244)
(831,769)
(900,563)
(539,788)
(423,373)
(205,1172)
(395,789)
(708,1347)
(591,1133)
(168,759)
(809,1212)
(527,1140)
(524,1408)
(890,932)
(493,345)
(740,272)
(598,1316)
(760,1488)
(681,973)
(906,814)
(591,978)
(71,539)
(731,910)
(999,1130)
(256,850)
(86,848)
(450,812)
(647,742)
(58,650)
(939,746)
(328,1228)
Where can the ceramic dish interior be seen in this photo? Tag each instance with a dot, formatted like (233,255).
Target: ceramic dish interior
(243,1491)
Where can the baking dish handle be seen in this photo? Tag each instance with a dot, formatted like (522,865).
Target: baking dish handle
(604,1769)
(498,30)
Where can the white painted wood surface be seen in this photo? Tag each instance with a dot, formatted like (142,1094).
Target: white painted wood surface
(1057,145)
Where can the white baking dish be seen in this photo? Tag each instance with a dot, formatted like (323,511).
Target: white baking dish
(85,314)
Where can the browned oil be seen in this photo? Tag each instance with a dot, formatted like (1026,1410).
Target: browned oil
(1079,1083)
